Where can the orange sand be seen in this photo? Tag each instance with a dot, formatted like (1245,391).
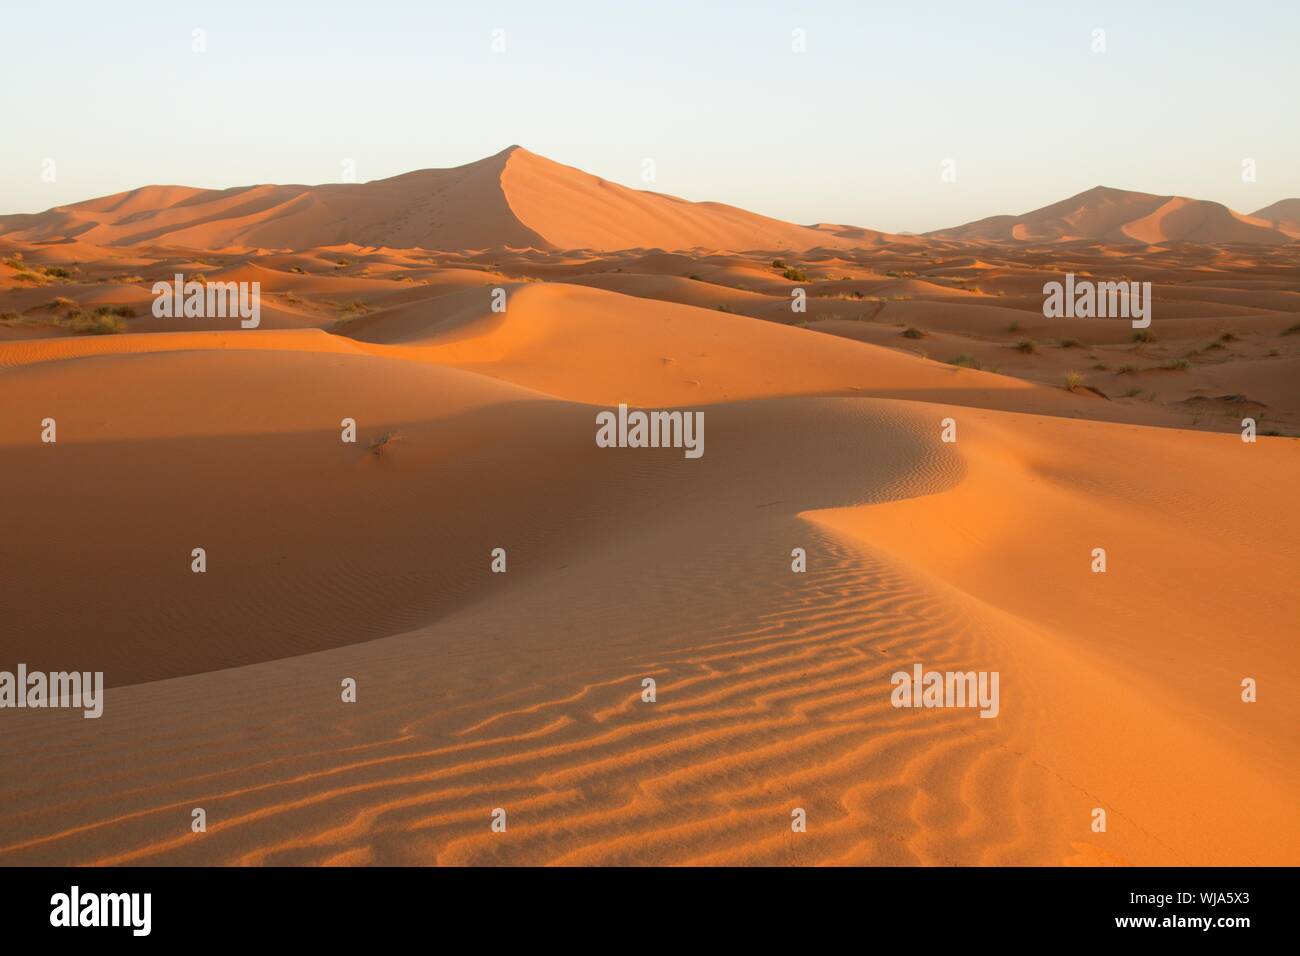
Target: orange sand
(523,690)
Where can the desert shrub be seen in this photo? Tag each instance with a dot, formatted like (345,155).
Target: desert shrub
(1073,380)
(385,442)
(1027,346)
(966,361)
(95,324)
(1143,335)
(795,274)
(911,332)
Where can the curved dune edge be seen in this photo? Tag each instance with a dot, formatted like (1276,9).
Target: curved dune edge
(1133,676)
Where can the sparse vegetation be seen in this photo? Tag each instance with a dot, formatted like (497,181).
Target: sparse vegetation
(795,274)
(1143,335)
(1073,380)
(1067,343)
(119,311)
(1014,326)
(98,323)
(1027,346)
(1178,365)
(350,312)
(966,361)
(1126,370)
(385,442)
(912,332)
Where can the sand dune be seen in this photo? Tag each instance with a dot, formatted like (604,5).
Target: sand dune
(522,690)
(1118,215)
(1283,215)
(515,198)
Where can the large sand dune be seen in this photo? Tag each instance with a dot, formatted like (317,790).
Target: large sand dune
(515,198)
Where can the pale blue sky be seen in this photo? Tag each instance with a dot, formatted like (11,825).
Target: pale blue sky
(853,130)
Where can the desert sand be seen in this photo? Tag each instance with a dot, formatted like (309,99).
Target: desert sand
(523,691)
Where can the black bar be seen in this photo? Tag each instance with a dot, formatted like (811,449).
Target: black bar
(632,907)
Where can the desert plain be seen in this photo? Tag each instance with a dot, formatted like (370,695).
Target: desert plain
(524,691)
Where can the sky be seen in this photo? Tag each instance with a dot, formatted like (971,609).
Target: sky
(901,116)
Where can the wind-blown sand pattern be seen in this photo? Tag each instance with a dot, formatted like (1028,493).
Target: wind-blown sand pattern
(523,690)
